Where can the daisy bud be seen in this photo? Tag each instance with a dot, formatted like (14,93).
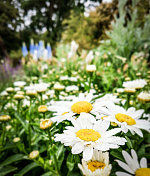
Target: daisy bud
(45,124)
(4,118)
(18,97)
(34,154)
(16,139)
(10,90)
(42,108)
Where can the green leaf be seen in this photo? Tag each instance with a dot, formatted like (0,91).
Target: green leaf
(12,159)
(22,122)
(129,143)
(60,155)
(27,168)
(48,174)
(117,154)
(7,169)
(70,162)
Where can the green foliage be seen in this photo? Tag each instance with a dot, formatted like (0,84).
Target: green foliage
(87,31)
(127,36)
(9,20)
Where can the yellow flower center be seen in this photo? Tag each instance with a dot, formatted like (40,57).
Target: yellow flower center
(64,113)
(81,106)
(142,172)
(94,165)
(125,118)
(88,134)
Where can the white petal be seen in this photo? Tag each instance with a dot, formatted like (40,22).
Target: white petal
(112,132)
(143,163)
(77,148)
(122,174)
(125,166)
(129,160)
(134,156)
(87,153)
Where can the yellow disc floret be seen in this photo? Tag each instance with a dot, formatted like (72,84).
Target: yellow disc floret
(125,118)
(94,165)
(81,106)
(88,135)
(142,172)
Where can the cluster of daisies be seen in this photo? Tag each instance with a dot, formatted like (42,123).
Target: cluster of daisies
(96,127)
(96,123)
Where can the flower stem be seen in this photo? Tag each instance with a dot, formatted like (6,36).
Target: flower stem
(54,156)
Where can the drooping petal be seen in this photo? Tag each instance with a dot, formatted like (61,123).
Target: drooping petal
(87,153)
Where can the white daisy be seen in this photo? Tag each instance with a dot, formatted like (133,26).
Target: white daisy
(85,136)
(78,105)
(72,88)
(137,84)
(144,97)
(108,97)
(19,83)
(132,166)
(97,166)
(126,119)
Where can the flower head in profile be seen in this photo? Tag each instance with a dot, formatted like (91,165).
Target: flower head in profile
(144,97)
(126,119)
(132,166)
(136,84)
(86,135)
(98,165)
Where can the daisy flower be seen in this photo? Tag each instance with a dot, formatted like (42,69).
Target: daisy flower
(144,97)
(132,166)
(97,166)
(137,84)
(109,97)
(19,83)
(76,106)
(84,136)
(126,119)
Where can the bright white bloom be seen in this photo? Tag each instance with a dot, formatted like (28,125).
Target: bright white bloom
(78,105)
(126,119)
(72,88)
(62,78)
(4,93)
(86,135)
(144,97)
(97,166)
(89,57)
(108,98)
(58,86)
(132,166)
(41,87)
(90,68)
(136,84)
(19,83)
(120,90)
(73,79)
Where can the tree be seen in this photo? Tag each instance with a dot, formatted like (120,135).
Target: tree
(49,15)
(9,20)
